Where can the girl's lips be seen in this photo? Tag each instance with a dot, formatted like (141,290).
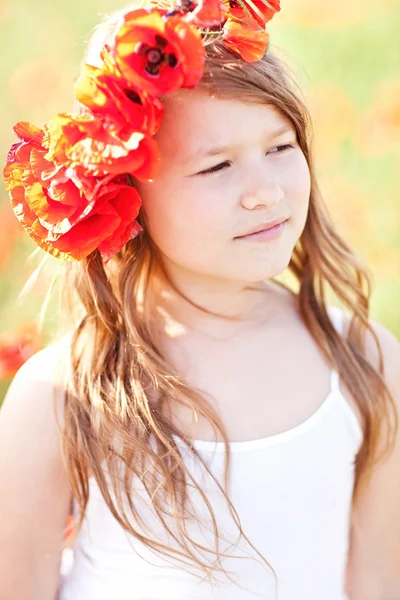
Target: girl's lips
(266,235)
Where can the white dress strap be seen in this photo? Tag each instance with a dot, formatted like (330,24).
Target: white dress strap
(337,317)
(334,384)
(336,314)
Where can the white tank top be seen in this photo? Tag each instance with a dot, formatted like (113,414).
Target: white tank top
(292,492)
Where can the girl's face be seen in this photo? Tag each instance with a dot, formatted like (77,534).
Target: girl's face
(226,167)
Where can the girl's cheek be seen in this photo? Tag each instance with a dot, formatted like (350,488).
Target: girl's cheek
(298,178)
(201,199)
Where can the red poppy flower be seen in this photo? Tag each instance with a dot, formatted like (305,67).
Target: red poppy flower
(122,108)
(248,40)
(86,145)
(205,13)
(16,347)
(261,10)
(67,216)
(158,54)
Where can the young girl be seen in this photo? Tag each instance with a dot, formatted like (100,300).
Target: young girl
(217,433)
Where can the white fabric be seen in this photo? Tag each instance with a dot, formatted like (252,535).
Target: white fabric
(293,494)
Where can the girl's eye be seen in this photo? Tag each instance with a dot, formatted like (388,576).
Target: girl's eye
(225,164)
(215,169)
(280,148)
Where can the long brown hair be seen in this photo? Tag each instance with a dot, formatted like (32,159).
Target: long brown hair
(120,386)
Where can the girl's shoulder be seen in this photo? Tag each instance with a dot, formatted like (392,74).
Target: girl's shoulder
(377,516)
(381,349)
(56,350)
(31,463)
(377,336)
(38,385)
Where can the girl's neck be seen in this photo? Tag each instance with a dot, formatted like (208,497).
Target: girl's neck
(215,310)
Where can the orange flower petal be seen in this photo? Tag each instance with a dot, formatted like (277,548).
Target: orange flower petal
(249,42)
(108,228)
(44,207)
(144,55)
(124,107)
(56,213)
(86,236)
(149,160)
(28,132)
(63,131)
(208,13)
(86,146)
(127,204)
(41,168)
(156,54)
(119,238)
(189,49)
(261,10)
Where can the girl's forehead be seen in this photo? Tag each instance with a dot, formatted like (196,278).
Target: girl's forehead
(195,118)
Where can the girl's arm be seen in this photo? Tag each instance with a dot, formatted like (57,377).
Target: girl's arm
(34,491)
(373,571)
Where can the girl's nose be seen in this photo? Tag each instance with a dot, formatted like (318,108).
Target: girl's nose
(261,194)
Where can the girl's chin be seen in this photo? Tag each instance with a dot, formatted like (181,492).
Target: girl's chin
(260,272)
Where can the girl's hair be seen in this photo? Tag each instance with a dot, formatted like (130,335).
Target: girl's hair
(120,388)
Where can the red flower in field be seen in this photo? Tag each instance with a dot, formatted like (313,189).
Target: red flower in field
(261,10)
(67,216)
(84,144)
(15,349)
(122,108)
(246,39)
(158,54)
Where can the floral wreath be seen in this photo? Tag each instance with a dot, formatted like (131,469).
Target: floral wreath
(70,182)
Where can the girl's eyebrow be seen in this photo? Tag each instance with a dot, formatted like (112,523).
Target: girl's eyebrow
(202,152)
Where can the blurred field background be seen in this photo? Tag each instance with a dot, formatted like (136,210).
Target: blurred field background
(347,55)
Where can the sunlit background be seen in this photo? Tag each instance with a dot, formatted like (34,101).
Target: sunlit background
(347,55)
